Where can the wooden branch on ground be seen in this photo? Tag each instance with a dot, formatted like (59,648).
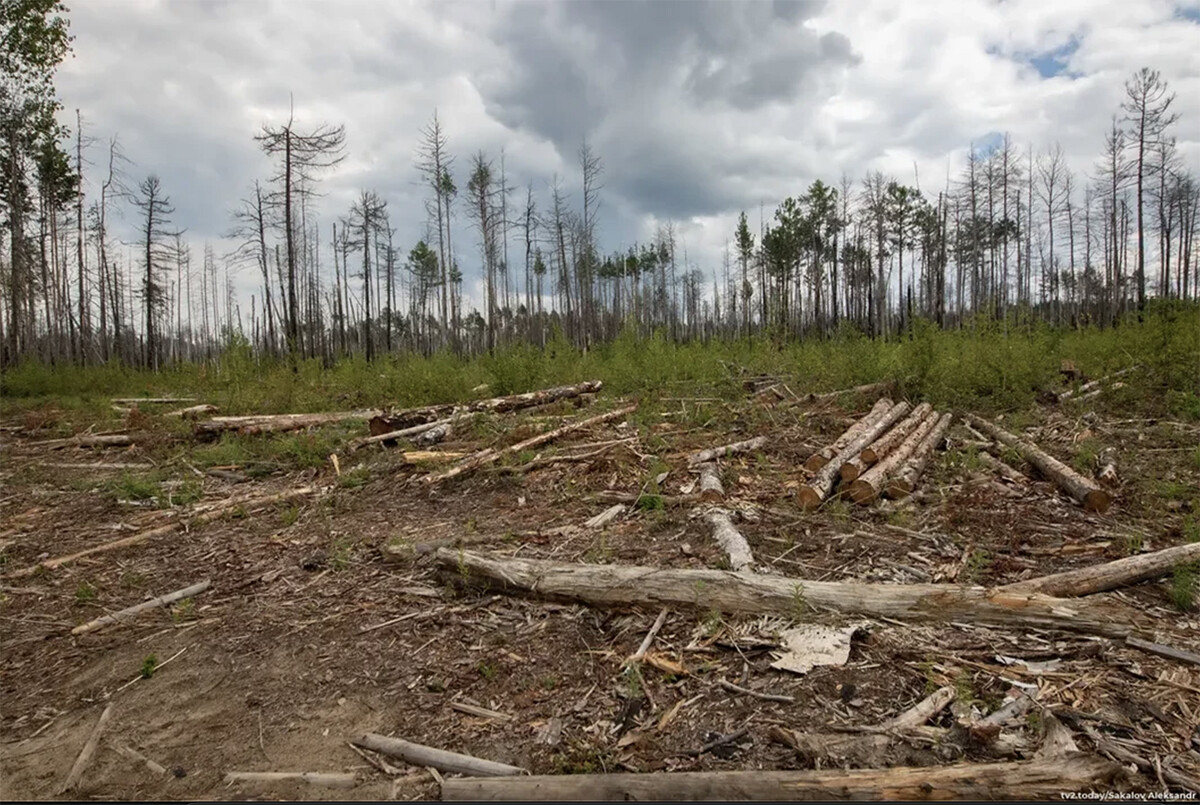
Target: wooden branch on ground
(396,420)
(129,612)
(133,754)
(548,461)
(730,539)
(814,493)
(421,456)
(404,433)
(1000,468)
(1163,651)
(649,639)
(767,697)
(490,455)
(87,440)
(481,712)
(1033,780)
(437,433)
(885,444)
(317,778)
(151,400)
(711,489)
(711,453)
(419,755)
(246,504)
(1118,752)
(275,423)
(922,711)
(1093,386)
(1107,462)
(823,456)
(867,488)
(86,754)
(905,481)
(605,517)
(754,594)
(1110,575)
(1081,489)
(193,412)
(617,496)
(869,388)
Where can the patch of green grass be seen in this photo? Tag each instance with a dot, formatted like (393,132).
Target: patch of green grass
(1191,529)
(340,556)
(979,563)
(352,479)
(288,515)
(85,593)
(184,610)
(487,670)
(149,666)
(133,579)
(839,510)
(632,683)
(800,607)
(583,758)
(599,552)
(650,503)
(190,491)
(132,487)
(1185,586)
(549,682)
(1084,459)
(1131,542)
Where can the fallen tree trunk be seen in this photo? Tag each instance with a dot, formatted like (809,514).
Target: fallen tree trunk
(823,456)
(129,612)
(885,444)
(730,539)
(275,423)
(1038,780)
(1107,460)
(867,488)
(1111,575)
(419,755)
(711,489)
(704,456)
(869,388)
(906,480)
(150,400)
(86,440)
(1000,468)
(193,412)
(1089,494)
(813,493)
(142,536)
(392,435)
(386,421)
(437,433)
(490,456)
(754,594)
(1093,385)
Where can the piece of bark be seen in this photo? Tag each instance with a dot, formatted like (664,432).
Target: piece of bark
(317,778)
(814,493)
(922,711)
(87,753)
(1163,651)
(703,456)
(1056,738)
(1034,780)
(490,456)
(275,423)
(130,612)
(1000,468)
(1110,575)
(730,539)
(711,489)
(826,454)
(419,755)
(1081,489)
(193,411)
(397,419)
(482,712)
(868,487)
(904,482)
(88,440)
(762,594)
(246,504)
(133,754)
(1107,462)
(404,433)
(605,517)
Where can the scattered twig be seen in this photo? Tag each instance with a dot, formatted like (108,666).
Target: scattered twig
(89,750)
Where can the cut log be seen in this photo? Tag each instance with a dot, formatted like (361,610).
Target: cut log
(710,484)
(1093,387)
(88,440)
(317,778)
(823,456)
(749,593)
(422,456)
(245,504)
(885,444)
(867,488)
(193,412)
(130,612)
(730,539)
(1111,575)
(726,450)
(490,456)
(1107,462)
(419,755)
(1081,489)
(436,434)
(1037,780)
(88,752)
(922,711)
(404,433)
(397,419)
(905,481)
(605,517)
(275,423)
(868,388)
(814,493)
(1000,468)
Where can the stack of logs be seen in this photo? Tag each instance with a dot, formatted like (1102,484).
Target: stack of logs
(884,453)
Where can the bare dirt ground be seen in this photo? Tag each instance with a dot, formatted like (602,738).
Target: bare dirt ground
(317,628)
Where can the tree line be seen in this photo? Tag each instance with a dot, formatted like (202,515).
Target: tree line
(1015,236)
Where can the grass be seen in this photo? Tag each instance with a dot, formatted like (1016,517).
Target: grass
(85,593)
(1185,586)
(149,666)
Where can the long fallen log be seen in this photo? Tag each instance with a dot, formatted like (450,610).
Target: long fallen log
(276,423)
(193,412)
(151,400)
(869,388)
(317,778)
(823,456)
(1000,468)
(1110,575)
(760,594)
(88,440)
(136,609)
(491,455)
(1081,489)
(403,433)
(1043,779)
(730,539)
(246,504)
(814,493)
(87,753)
(867,488)
(1093,386)
(704,456)
(386,421)
(711,489)
(905,481)
(885,444)
(419,755)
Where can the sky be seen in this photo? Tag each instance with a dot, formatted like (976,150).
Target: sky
(697,109)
